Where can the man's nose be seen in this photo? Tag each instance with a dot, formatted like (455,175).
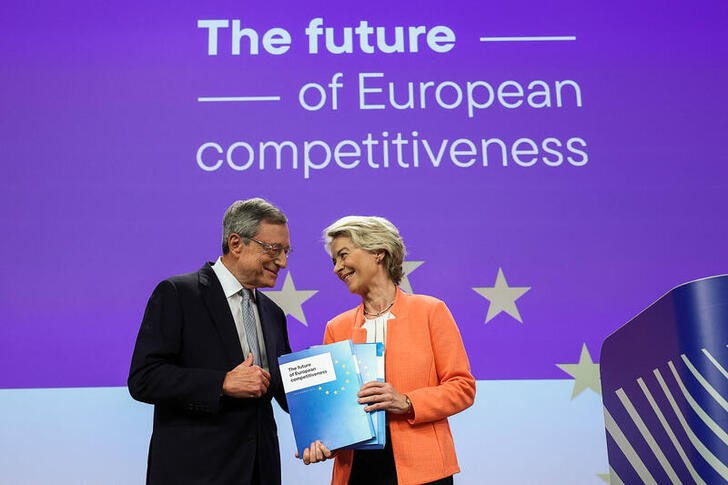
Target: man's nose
(281,260)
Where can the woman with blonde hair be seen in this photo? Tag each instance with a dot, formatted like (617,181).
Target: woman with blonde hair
(427,373)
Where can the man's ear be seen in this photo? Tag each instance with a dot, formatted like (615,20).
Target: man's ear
(235,243)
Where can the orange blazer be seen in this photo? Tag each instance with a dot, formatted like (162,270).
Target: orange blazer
(426,360)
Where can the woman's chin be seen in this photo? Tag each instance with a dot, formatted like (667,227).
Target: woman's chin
(353,289)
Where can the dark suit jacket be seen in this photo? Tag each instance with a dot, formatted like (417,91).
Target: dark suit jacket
(186,344)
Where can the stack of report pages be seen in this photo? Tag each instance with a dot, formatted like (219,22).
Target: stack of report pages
(321,385)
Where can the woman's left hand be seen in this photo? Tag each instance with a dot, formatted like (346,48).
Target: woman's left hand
(381,395)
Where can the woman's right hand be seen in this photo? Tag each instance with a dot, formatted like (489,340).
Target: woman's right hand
(315,453)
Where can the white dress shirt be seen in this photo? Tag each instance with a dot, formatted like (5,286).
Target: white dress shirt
(232,289)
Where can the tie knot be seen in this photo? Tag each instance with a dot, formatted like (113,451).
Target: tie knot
(247,295)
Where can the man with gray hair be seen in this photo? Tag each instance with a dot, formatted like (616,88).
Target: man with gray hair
(206,357)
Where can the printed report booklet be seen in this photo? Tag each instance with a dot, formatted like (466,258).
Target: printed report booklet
(370,357)
(321,385)
(371,367)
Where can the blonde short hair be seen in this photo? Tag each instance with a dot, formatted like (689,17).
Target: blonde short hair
(373,234)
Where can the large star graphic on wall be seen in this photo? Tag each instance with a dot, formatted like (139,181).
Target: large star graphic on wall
(502,297)
(407,268)
(290,299)
(585,373)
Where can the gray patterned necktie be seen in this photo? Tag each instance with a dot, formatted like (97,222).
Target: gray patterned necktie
(249,325)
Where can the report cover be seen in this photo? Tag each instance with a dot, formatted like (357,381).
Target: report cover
(371,367)
(321,385)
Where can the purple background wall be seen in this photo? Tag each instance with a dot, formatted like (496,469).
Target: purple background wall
(102,195)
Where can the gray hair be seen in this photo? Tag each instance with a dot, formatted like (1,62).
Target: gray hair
(373,234)
(243,217)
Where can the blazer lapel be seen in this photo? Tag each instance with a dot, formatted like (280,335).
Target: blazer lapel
(397,325)
(358,332)
(219,310)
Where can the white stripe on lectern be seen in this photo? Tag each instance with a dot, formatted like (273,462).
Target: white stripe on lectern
(716,363)
(614,478)
(647,435)
(626,447)
(228,99)
(712,460)
(670,433)
(715,427)
(536,38)
(704,382)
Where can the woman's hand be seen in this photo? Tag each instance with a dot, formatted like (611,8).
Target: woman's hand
(315,453)
(381,395)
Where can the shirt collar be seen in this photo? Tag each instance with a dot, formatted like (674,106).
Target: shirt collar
(230,284)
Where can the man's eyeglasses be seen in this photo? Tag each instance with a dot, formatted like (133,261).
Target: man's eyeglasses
(272,250)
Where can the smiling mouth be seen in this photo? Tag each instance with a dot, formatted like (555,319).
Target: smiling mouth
(345,277)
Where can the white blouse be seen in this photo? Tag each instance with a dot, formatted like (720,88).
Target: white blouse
(377,328)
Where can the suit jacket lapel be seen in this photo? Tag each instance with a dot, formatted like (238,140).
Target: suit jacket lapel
(271,332)
(219,310)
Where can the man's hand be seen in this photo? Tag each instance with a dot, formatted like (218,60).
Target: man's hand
(246,380)
(315,453)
